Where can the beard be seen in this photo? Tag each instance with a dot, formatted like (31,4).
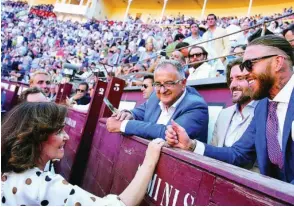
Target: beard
(265,83)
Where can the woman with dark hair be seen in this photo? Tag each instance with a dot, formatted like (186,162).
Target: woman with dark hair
(32,134)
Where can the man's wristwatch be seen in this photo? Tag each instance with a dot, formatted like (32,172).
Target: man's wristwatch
(192,146)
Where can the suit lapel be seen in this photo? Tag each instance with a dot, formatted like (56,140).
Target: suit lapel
(288,123)
(260,138)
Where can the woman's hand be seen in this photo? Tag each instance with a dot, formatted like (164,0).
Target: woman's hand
(153,151)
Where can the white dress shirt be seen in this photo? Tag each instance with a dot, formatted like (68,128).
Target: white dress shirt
(283,99)
(165,115)
(239,123)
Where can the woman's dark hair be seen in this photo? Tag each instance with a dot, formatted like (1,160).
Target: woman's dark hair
(24,129)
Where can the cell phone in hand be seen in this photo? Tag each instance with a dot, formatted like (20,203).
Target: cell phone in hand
(109,105)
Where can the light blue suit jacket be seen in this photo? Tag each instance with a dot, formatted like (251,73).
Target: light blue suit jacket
(253,144)
(191,113)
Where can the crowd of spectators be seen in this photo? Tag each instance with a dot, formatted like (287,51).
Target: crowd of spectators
(81,52)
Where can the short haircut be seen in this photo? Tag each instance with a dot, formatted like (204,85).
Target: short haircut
(258,33)
(179,36)
(175,64)
(149,77)
(84,84)
(38,72)
(229,68)
(289,28)
(212,15)
(243,47)
(193,23)
(276,42)
(181,44)
(24,95)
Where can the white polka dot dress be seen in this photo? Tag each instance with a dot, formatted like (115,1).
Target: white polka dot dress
(35,187)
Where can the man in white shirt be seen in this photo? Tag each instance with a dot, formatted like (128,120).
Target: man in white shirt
(199,70)
(172,100)
(234,120)
(217,47)
(195,37)
(268,61)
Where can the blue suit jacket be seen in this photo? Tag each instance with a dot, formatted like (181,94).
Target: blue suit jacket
(253,144)
(191,113)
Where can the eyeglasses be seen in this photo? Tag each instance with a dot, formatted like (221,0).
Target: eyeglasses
(196,54)
(166,85)
(80,90)
(248,64)
(144,86)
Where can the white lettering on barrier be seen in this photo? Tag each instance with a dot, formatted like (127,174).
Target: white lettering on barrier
(101,91)
(186,200)
(167,193)
(70,122)
(116,87)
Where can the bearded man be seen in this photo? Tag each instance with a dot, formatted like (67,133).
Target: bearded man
(268,61)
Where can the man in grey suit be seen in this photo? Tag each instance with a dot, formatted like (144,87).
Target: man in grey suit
(233,121)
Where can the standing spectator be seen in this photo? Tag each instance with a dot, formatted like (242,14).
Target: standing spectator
(219,47)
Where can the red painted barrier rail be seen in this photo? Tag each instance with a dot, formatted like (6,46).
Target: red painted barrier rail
(181,178)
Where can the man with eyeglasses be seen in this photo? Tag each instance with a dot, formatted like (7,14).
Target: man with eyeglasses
(199,69)
(268,63)
(147,87)
(219,47)
(41,79)
(172,100)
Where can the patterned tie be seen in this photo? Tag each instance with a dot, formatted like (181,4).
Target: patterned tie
(272,124)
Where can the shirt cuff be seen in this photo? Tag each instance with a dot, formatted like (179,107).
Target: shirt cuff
(123,126)
(200,148)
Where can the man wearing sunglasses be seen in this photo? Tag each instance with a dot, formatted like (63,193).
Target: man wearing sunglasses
(172,100)
(41,79)
(202,69)
(81,97)
(147,86)
(267,64)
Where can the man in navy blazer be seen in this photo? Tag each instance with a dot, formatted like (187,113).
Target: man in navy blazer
(172,100)
(268,62)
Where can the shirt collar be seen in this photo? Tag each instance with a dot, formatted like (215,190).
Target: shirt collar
(247,109)
(174,104)
(285,94)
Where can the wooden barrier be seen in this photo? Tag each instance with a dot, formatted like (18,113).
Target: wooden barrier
(11,90)
(181,178)
(81,128)
(64,90)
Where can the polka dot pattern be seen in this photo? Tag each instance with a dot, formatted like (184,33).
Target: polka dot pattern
(65,200)
(14,190)
(48,178)
(93,199)
(78,204)
(44,203)
(72,192)
(38,173)
(4,178)
(29,181)
(3,199)
(65,182)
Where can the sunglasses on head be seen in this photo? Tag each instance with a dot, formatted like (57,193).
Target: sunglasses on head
(80,90)
(248,64)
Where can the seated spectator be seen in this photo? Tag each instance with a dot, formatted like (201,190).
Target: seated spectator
(172,100)
(202,69)
(183,48)
(147,86)
(81,97)
(288,33)
(33,94)
(53,92)
(41,79)
(39,136)
(18,75)
(268,137)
